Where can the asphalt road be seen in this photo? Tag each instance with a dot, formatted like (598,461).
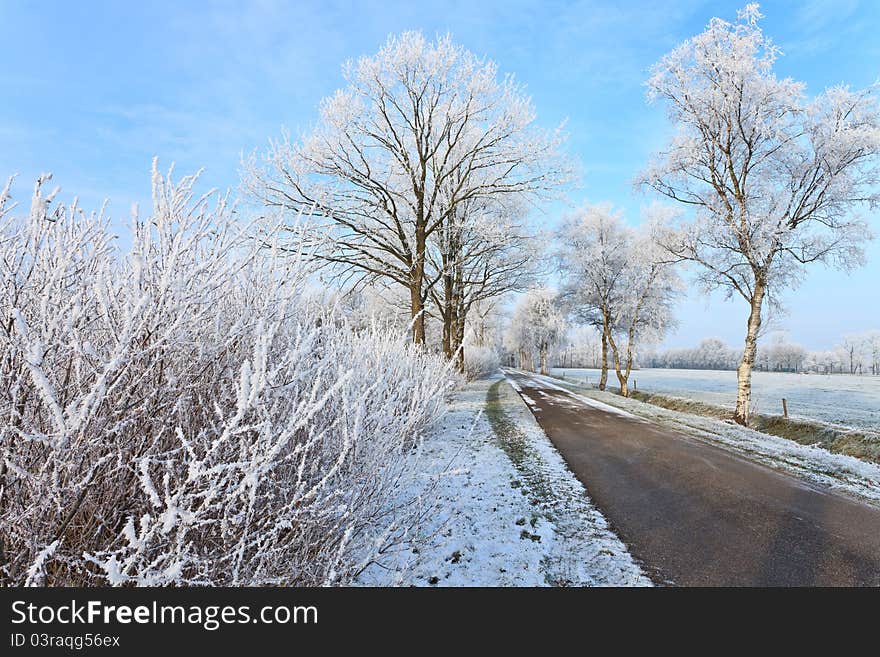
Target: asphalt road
(698,515)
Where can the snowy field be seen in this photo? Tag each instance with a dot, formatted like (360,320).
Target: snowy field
(841,399)
(493,522)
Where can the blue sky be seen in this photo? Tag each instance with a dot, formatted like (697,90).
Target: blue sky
(93,90)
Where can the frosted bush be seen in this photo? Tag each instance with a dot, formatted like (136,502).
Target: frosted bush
(480,361)
(183,414)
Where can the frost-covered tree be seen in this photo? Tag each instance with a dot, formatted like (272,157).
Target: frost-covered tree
(829,361)
(854,346)
(773,178)
(536,328)
(422,129)
(856,353)
(483,339)
(485,324)
(621,278)
(483,251)
(582,347)
(782,355)
(872,342)
(593,251)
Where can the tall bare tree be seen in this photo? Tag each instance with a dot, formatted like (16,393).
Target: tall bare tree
(592,255)
(421,128)
(773,178)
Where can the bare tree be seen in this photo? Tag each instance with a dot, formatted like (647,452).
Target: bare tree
(872,339)
(421,129)
(773,178)
(592,257)
(854,346)
(482,252)
(620,277)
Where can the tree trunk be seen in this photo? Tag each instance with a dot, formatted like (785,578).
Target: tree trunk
(417,278)
(621,378)
(544,362)
(459,316)
(629,361)
(744,371)
(603,378)
(448,338)
(458,337)
(417,310)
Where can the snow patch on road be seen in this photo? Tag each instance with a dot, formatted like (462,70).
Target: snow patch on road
(539,381)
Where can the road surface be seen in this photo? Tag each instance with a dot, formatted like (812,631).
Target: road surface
(699,515)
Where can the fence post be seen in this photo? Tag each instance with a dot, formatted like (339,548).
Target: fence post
(784,408)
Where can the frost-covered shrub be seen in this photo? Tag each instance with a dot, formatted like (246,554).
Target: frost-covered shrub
(182,413)
(480,361)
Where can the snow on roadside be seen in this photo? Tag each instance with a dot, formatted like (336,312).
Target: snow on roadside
(838,471)
(497,522)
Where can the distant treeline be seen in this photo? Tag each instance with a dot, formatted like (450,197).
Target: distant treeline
(856,354)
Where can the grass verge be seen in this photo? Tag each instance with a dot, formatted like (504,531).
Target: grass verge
(515,444)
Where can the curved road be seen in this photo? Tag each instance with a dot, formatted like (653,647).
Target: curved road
(695,514)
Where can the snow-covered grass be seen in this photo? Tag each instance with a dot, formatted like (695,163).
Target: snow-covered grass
(839,398)
(184,413)
(845,473)
(507,511)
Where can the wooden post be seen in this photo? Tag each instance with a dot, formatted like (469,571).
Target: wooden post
(784,408)
(635,385)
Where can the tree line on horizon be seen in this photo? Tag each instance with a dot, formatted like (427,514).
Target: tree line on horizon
(857,353)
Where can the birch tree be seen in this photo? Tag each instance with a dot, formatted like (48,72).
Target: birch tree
(592,259)
(773,178)
(622,278)
(422,128)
